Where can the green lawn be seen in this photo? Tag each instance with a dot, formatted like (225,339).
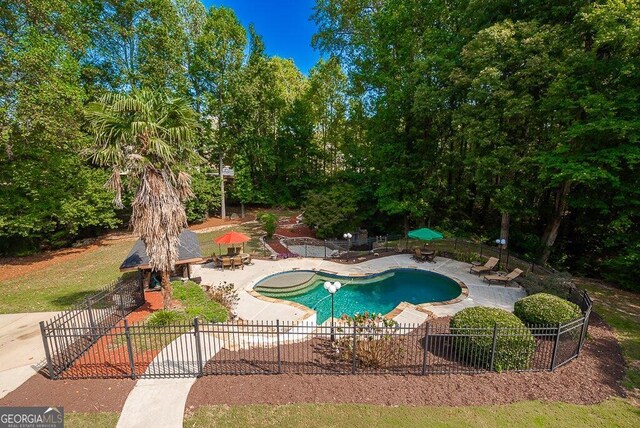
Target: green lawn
(621,310)
(58,286)
(611,413)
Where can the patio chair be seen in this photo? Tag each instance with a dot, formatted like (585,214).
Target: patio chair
(237,262)
(429,255)
(217,261)
(487,267)
(227,262)
(503,279)
(417,255)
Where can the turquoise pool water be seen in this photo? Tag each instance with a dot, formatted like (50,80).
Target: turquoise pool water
(377,293)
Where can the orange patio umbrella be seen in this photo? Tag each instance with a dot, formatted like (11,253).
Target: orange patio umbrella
(232,238)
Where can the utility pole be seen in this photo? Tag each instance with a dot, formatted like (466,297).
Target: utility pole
(223,208)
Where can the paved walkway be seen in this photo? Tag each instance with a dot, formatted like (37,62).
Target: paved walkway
(21,348)
(160,403)
(252,308)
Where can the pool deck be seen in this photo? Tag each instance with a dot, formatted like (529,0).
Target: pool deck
(251,307)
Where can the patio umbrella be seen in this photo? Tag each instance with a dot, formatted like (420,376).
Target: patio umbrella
(232,238)
(425,234)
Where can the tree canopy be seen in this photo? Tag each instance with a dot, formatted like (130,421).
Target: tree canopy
(481,118)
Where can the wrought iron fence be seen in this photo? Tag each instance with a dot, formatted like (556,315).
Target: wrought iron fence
(199,349)
(67,336)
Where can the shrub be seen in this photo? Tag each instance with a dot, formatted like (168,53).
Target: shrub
(197,303)
(269,223)
(225,294)
(376,345)
(543,308)
(514,348)
(166,317)
(558,284)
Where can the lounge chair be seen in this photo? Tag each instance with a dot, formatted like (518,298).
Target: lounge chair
(503,279)
(487,267)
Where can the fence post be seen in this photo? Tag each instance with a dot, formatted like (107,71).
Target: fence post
(426,349)
(278,342)
(493,345)
(196,334)
(555,348)
(355,350)
(325,248)
(583,333)
(92,323)
(141,284)
(122,311)
(47,352)
(127,334)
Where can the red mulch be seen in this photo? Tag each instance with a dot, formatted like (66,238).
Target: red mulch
(280,249)
(108,357)
(86,395)
(591,378)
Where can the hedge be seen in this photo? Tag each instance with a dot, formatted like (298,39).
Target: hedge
(543,308)
(514,348)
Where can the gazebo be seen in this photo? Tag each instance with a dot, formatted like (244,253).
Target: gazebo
(189,252)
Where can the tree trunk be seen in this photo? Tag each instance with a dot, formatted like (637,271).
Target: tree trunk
(504,229)
(167,290)
(241,209)
(223,208)
(551,231)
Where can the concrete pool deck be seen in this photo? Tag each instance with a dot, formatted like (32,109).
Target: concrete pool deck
(253,308)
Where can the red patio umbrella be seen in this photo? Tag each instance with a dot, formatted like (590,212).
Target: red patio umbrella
(232,238)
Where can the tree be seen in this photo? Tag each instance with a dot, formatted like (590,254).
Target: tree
(148,136)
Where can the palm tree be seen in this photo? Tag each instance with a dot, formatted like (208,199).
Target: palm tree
(147,137)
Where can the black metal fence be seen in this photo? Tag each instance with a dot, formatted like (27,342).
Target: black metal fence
(67,336)
(199,349)
(457,248)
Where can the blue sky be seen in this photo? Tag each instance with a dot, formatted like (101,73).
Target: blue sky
(284,25)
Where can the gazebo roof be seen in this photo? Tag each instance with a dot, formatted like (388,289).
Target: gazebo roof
(188,252)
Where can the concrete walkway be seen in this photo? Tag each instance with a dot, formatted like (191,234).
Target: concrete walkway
(21,348)
(160,402)
(252,308)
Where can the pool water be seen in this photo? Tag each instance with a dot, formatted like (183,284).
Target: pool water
(379,293)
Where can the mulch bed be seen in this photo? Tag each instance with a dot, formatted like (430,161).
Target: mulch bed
(108,357)
(87,395)
(591,378)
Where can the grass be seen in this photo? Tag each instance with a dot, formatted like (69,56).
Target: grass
(621,310)
(611,413)
(57,287)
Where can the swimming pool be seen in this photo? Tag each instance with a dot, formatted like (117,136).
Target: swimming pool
(379,293)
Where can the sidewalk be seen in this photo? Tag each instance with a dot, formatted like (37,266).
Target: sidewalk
(21,348)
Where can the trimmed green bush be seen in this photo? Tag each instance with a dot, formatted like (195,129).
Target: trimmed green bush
(197,303)
(166,317)
(543,308)
(514,348)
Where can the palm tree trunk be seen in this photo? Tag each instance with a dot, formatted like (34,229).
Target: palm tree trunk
(167,290)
